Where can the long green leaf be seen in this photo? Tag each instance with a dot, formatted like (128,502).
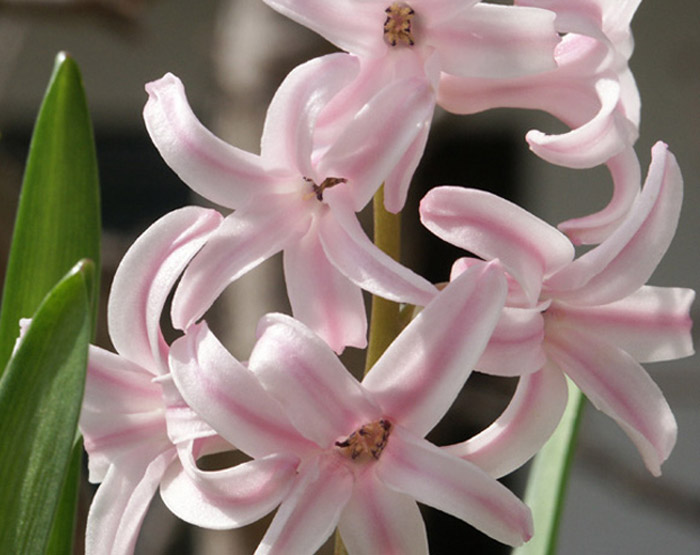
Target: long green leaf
(40,397)
(58,219)
(546,485)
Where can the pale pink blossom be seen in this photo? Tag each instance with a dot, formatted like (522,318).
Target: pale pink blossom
(128,394)
(298,196)
(348,454)
(600,319)
(592,91)
(420,39)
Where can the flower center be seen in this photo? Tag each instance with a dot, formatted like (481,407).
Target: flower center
(397,27)
(369,441)
(326,184)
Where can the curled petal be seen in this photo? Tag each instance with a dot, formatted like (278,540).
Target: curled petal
(228,498)
(617,385)
(593,143)
(419,376)
(287,139)
(322,297)
(229,397)
(491,227)
(397,182)
(299,370)
(363,263)
(216,170)
(651,324)
(380,520)
(595,228)
(120,504)
(309,514)
(515,347)
(245,239)
(144,279)
(625,260)
(493,41)
(417,468)
(516,435)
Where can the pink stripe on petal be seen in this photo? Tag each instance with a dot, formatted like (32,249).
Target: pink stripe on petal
(420,374)
(620,387)
(144,280)
(218,171)
(245,239)
(309,514)
(417,468)
(380,520)
(322,297)
(516,435)
(363,263)
(229,397)
(296,367)
(491,227)
(229,498)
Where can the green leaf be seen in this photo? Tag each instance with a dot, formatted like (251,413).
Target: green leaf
(549,475)
(58,219)
(40,396)
(63,528)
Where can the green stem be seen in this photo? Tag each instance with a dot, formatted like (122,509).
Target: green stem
(548,479)
(385,322)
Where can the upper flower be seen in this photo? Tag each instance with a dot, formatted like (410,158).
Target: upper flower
(298,196)
(356,450)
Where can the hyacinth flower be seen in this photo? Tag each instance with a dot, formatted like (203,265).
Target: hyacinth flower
(421,39)
(296,196)
(355,452)
(129,440)
(592,91)
(600,319)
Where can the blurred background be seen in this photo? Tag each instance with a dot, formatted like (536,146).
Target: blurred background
(232,55)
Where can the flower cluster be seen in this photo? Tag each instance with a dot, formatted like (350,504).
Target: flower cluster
(328,451)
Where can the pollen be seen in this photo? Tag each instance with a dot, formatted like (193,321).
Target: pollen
(367,442)
(397,27)
(326,184)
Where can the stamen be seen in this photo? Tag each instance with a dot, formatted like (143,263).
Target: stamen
(368,441)
(326,184)
(397,27)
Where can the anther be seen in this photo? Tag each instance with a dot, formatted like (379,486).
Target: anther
(397,26)
(367,441)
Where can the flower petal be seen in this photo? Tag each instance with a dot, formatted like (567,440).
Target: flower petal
(322,297)
(120,504)
(299,369)
(625,260)
(515,347)
(245,239)
(229,397)
(287,139)
(380,520)
(618,386)
(516,435)
(144,279)
(228,498)
(651,324)
(309,514)
(398,181)
(595,228)
(419,376)
(494,41)
(417,468)
(363,263)
(492,227)
(216,170)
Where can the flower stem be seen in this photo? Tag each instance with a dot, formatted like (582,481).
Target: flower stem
(385,322)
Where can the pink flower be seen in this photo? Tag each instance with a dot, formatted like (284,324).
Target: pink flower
(129,394)
(298,196)
(599,318)
(349,454)
(592,91)
(420,39)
